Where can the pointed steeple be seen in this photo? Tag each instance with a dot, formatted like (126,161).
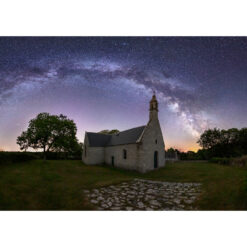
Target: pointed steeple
(153,108)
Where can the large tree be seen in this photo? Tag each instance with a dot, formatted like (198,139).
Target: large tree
(49,133)
(224,143)
(209,138)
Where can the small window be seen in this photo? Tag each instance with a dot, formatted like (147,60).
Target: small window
(125,154)
(85,151)
(156,141)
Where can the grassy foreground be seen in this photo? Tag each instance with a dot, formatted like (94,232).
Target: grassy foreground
(58,185)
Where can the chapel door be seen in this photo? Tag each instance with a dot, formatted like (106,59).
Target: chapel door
(112,160)
(156,159)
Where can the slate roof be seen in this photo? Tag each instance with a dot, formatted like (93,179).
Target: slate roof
(124,137)
(97,139)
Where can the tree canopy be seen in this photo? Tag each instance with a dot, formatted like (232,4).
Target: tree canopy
(224,143)
(49,133)
(110,132)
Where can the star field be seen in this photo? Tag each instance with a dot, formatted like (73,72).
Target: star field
(107,82)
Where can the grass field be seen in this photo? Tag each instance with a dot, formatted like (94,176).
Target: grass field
(58,185)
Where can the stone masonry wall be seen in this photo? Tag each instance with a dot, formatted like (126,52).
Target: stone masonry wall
(94,156)
(117,151)
(149,146)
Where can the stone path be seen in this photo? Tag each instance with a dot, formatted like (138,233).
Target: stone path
(140,194)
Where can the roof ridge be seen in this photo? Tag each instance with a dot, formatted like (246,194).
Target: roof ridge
(114,133)
(133,128)
(99,133)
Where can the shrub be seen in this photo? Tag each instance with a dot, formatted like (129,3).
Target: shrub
(222,161)
(16,157)
(241,161)
(63,156)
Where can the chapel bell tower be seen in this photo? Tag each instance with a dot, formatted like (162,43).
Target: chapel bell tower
(153,108)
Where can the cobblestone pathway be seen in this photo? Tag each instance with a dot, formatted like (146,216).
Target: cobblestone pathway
(145,195)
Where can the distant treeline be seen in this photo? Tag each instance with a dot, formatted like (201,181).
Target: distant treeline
(190,155)
(17,157)
(218,143)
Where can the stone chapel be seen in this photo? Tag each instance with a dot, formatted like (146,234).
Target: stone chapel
(141,148)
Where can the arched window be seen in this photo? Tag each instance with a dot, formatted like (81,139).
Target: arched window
(125,154)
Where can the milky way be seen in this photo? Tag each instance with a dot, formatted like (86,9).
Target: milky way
(105,83)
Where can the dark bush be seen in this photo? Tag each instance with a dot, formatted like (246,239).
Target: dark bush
(16,157)
(222,161)
(240,161)
(63,156)
(58,155)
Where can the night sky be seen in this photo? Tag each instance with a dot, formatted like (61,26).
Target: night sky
(107,82)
